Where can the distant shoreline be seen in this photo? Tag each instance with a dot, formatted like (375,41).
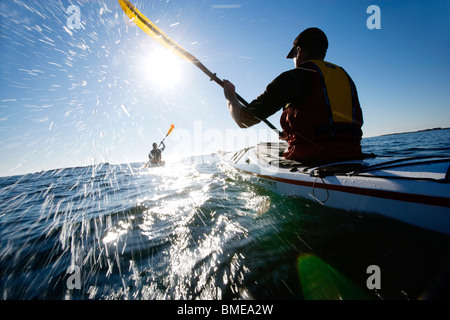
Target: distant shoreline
(424,130)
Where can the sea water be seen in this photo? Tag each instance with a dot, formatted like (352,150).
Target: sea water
(195,230)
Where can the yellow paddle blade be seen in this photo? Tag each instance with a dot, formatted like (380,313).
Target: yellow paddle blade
(170,130)
(153,31)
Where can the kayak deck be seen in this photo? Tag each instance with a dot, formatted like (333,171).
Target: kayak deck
(413,168)
(412,190)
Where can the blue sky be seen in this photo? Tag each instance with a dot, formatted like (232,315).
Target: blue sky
(106,91)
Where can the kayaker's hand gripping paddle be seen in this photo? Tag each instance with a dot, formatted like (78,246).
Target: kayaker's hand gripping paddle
(153,31)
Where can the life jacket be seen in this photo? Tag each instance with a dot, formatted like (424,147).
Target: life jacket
(325,124)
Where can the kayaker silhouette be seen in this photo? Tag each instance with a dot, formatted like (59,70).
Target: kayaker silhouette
(321,117)
(154,156)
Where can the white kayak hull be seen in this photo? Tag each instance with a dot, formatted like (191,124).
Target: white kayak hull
(414,191)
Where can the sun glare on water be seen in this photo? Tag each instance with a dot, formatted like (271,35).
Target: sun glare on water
(161,67)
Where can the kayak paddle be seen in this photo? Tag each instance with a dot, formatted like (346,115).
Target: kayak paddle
(168,132)
(153,31)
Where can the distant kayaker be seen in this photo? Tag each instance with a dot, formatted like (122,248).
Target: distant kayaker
(154,157)
(321,117)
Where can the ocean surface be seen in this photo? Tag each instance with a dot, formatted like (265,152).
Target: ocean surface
(195,230)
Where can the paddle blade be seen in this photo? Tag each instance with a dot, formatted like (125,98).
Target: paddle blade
(170,130)
(153,31)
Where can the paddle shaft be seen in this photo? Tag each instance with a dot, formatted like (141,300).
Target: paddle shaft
(163,39)
(168,132)
(214,78)
(162,141)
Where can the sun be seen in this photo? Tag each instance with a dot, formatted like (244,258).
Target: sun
(160,67)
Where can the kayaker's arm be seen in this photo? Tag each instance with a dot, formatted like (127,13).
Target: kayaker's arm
(240,114)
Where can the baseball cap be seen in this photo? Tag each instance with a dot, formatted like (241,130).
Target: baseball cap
(311,38)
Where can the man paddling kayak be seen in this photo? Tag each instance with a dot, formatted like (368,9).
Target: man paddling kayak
(321,117)
(154,157)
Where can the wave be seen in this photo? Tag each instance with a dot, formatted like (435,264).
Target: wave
(187,231)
